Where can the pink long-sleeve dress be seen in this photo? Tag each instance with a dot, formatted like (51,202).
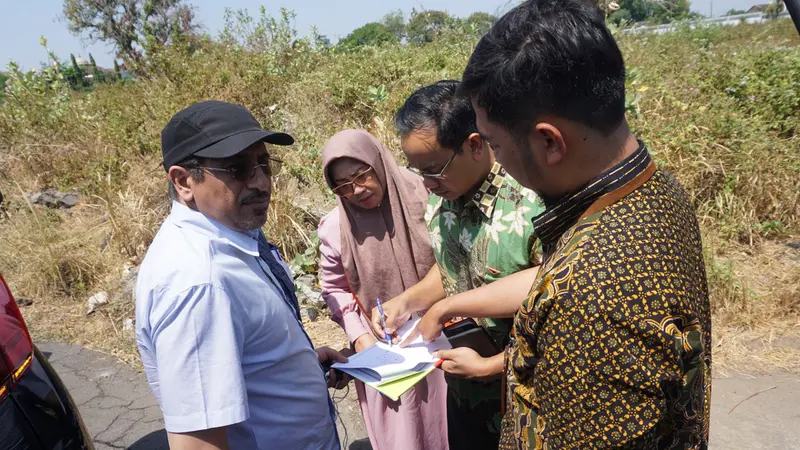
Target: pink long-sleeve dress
(418,421)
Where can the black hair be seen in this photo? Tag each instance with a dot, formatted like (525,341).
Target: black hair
(192,164)
(549,57)
(438,107)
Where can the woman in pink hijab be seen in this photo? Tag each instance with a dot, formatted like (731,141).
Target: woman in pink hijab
(375,245)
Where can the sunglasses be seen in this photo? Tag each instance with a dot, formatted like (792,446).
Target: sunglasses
(243,172)
(361,179)
(437,176)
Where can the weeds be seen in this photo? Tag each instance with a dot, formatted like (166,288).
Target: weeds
(718,107)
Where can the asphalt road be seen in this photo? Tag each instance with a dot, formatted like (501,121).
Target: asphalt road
(761,412)
(119,409)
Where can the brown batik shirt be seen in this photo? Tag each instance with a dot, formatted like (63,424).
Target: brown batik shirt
(612,347)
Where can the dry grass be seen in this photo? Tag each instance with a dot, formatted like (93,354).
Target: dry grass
(756,302)
(737,158)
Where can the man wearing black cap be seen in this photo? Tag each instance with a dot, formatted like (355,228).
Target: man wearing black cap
(217,321)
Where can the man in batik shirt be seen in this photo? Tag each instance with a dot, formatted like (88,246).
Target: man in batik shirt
(612,347)
(613,344)
(479,220)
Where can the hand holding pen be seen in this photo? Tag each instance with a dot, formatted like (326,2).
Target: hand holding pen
(383,322)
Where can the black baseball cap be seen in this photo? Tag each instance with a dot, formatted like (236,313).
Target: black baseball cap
(213,129)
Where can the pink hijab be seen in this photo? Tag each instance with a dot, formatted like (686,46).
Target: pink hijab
(385,250)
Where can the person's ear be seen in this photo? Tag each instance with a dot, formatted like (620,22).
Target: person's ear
(555,148)
(475,145)
(181,180)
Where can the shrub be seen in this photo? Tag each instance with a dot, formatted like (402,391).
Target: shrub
(718,107)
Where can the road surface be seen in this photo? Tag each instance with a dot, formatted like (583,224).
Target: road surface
(120,412)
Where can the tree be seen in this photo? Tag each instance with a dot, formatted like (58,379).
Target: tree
(621,16)
(426,26)
(667,11)
(633,11)
(74,74)
(323,42)
(129,25)
(657,11)
(774,8)
(396,22)
(373,33)
(735,12)
(97,76)
(3,78)
(117,74)
(480,22)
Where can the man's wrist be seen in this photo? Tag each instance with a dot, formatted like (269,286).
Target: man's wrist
(443,310)
(490,368)
(495,365)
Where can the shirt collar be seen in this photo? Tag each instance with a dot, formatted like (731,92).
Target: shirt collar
(184,217)
(486,196)
(560,215)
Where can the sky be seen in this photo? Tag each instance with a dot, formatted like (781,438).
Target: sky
(22,23)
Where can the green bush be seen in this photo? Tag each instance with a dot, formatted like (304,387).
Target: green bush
(717,106)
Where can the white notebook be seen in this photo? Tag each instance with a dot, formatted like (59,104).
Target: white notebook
(382,363)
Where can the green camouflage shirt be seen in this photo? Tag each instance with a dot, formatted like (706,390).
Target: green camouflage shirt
(480,240)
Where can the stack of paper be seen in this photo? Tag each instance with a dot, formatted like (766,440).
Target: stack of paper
(393,370)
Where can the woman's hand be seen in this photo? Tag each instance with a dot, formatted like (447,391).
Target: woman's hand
(365,341)
(396,314)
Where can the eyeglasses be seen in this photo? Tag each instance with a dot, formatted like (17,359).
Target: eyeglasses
(242,172)
(436,176)
(361,179)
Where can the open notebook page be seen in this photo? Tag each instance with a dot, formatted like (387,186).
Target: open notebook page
(383,363)
(440,343)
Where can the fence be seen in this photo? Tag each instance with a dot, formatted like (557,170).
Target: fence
(716,21)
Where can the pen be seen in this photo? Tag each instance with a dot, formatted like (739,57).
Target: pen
(383,323)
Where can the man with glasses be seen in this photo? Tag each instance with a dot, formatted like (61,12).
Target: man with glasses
(479,220)
(217,322)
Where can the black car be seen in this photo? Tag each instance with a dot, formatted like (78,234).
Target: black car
(36,411)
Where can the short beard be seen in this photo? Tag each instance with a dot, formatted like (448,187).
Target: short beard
(250,224)
(258,220)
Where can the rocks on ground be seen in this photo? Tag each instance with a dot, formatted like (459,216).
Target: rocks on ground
(52,198)
(311,302)
(95,301)
(309,314)
(306,292)
(23,302)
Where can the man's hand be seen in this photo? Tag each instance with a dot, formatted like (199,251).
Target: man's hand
(365,341)
(396,314)
(328,356)
(430,326)
(465,362)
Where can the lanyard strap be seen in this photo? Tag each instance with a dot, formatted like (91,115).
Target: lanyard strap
(286,292)
(285,284)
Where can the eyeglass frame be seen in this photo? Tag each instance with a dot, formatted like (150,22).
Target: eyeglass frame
(252,172)
(435,176)
(352,182)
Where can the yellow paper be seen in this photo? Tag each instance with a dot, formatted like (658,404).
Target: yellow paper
(395,388)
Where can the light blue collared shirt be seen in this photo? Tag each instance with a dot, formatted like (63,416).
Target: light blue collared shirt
(219,344)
